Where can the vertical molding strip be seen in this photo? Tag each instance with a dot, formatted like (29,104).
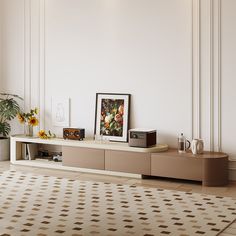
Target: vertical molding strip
(192,73)
(211,76)
(199,71)
(42,64)
(196,70)
(27,54)
(25,86)
(219,80)
(216,96)
(24,51)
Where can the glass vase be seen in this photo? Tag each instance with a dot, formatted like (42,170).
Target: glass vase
(29,130)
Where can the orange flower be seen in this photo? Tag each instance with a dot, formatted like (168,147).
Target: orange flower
(33,121)
(21,118)
(107,125)
(42,134)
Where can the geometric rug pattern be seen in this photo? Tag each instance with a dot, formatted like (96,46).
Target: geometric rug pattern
(46,206)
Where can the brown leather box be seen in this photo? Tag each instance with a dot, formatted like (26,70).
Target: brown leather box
(142,138)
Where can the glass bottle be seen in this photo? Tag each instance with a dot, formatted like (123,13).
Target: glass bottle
(182,144)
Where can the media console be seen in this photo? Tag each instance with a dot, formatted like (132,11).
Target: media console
(119,159)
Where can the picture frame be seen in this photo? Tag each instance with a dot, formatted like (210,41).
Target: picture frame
(61,111)
(112,116)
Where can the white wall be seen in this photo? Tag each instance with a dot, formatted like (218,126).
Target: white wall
(174,56)
(0,44)
(228,71)
(12,48)
(123,47)
(137,47)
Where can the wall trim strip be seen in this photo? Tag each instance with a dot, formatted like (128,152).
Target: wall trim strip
(219,80)
(27,54)
(211,92)
(42,60)
(196,69)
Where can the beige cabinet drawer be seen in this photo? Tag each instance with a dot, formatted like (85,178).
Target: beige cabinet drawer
(83,157)
(180,167)
(129,162)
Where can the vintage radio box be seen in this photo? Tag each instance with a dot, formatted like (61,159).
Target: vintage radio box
(142,137)
(73,133)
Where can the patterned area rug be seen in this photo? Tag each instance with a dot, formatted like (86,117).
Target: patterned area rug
(44,205)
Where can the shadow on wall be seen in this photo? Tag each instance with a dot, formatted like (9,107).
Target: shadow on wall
(166,138)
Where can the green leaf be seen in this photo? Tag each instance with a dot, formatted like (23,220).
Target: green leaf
(10,95)
(112,125)
(9,108)
(5,128)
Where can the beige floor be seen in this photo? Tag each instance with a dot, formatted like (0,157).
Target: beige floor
(180,185)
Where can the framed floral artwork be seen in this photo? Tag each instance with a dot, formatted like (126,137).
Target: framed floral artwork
(112,116)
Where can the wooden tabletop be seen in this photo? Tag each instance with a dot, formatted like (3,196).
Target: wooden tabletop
(90,143)
(206,154)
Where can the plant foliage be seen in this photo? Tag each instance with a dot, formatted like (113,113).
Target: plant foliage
(9,108)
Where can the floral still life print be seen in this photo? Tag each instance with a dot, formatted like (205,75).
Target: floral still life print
(112,113)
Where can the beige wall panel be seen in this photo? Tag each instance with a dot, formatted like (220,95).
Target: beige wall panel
(83,157)
(129,162)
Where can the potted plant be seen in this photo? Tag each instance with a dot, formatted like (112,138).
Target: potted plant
(9,108)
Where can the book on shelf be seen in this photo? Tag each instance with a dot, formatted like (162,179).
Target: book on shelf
(32,150)
(25,154)
(29,151)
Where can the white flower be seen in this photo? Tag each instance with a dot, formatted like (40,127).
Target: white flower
(108,118)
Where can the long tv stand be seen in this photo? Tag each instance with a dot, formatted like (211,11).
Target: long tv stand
(119,159)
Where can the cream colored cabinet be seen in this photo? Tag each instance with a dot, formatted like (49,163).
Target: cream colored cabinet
(113,158)
(90,158)
(118,158)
